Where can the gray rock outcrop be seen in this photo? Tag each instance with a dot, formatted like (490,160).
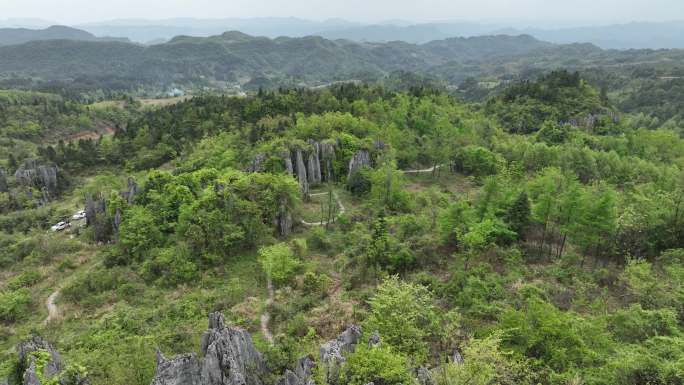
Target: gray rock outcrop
(257,162)
(183,369)
(4,187)
(332,352)
(34,175)
(284,220)
(28,362)
(314,163)
(327,155)
(359,160)
(301,173)
(289,166)
(424,376)
(229,358)
(457,358)
(374,339)
(131,192)
(301,374)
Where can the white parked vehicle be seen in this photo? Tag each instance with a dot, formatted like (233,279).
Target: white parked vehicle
(79,215)
(59,226)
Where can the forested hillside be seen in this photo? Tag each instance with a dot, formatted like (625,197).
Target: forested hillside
(345,235)
(9,36)
(238,58)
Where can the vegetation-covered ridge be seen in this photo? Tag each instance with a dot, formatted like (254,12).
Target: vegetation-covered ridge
(532,238)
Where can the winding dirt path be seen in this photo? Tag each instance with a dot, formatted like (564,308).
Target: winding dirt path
(266,316)
(53,311)
(431,169)
(323,223)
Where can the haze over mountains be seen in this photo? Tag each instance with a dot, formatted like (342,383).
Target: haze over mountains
(617,36)
(10,36)
(636,35)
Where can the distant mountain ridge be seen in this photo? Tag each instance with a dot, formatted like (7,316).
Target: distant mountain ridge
(237,58)
(617,36)
(634,35)
(11,36)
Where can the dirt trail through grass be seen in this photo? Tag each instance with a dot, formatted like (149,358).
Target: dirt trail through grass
(266,316)
(53,311)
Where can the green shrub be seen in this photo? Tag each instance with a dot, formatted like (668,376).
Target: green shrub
(635,324)
(476,161)
(315,284)
(92,284)
(379,365)
(359,182)
(278,261)
(485,363)
(170,266)
(14,305)
(25,279)
(318,239)
(138,233)
(562,340)
(405,316)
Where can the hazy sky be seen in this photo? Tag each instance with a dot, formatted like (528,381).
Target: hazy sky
(77,11)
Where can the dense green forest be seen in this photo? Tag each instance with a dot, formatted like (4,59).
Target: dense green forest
(534,237)
(234,59)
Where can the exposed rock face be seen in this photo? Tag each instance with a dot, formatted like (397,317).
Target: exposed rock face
(360,159)
(301,374)
(90,209)
(314,164)
(118,218)
(96,215)
(301,173)
(284,220)
(28,363)
(374,339)
(256,164)
(289,166)
(327,154)
(424,376)
(230,358)
(457,358)
(34,175)
(180,370)
(132,191)
(332,352)
(3,180)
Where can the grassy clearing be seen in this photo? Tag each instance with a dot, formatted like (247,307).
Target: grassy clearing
(162,102)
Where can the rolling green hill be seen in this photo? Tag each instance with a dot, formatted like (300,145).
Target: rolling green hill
(238,58)
(10,36)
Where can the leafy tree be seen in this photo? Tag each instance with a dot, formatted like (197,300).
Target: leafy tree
(379,251)
(139,233)
(170,266)
(376,364)
(518,214)
(405,316)
(387,189)
(477,161)
(359,182)
(561,340)
(454,221)
(278,261)
(485,363)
